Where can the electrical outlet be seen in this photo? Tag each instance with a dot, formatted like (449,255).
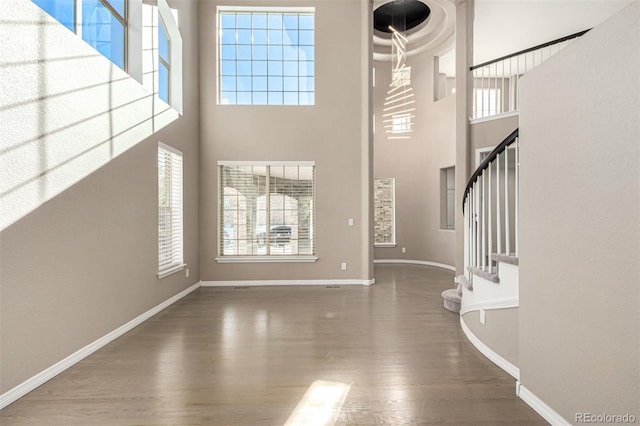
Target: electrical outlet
(186,272)
(483,317)
(404,249)
(350,221)
(343,266)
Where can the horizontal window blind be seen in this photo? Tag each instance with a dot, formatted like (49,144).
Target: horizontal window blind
(384,211)
(266,209)
(170,220)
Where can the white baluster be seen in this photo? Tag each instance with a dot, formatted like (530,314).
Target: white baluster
(482,114)
(498,209)
(483,253)
(472,241)
(517,190)
(490,227)
(477,223)
(517,80)
(507,238)
(465,214)
(495,88)
(504,103)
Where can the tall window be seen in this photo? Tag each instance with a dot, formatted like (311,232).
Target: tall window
(384,211)
(170,223)
(164,62)
(102,23)
(266,210)
(266,57)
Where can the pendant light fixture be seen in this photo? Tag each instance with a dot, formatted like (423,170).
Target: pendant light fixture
(399,106)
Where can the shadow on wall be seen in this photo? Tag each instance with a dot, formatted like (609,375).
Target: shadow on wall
(65,110)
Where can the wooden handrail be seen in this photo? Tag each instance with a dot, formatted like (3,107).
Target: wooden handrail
(531,49)
(487,162)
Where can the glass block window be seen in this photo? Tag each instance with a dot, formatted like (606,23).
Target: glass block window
(384,211)
(266,57)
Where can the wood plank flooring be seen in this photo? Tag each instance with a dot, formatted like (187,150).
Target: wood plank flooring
(246,356)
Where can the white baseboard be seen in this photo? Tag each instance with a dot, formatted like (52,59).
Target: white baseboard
(45,375)
(417,262)
(489,353)
(258,283)
(496,304)
(548,413)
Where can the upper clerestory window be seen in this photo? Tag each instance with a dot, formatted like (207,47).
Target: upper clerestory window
(266,56)
(101,23)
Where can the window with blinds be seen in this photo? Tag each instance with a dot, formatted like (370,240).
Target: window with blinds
(266,210)
(170,223)
(384,211)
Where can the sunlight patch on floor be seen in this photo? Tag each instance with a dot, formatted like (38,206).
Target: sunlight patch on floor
(320,405)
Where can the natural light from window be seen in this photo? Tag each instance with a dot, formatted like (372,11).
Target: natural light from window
(266,57)
(266,211)
(320,405)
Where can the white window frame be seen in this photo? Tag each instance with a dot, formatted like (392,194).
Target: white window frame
(391,243)
(154,12)
(175,194)
(267,9)
(130,13)
(275,258)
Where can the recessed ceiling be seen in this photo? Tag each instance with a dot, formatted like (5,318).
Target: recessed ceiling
(434,32)
(501,27)
(402,15)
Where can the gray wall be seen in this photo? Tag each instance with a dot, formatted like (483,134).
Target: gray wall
(416,164)
(490,133)
(335,133)
(579,227)
(85,262)
(499,332)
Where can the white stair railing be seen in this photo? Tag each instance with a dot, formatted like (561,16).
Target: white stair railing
(496,82)
(490,207)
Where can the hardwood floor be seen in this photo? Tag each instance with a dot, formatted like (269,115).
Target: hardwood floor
(247,356)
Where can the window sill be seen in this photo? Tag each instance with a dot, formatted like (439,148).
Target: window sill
(385,245)
(266,259)
(171,270)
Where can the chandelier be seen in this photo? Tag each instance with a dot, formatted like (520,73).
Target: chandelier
(399,111)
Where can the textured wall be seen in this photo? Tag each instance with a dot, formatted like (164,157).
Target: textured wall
(85,262)
(66,109)
(335,133)
(579,227)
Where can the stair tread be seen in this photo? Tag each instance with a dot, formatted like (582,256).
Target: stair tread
(505,258)
(451,294)
(493,277)
(461,279)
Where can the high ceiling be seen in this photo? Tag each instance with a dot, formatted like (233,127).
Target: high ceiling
(502,27)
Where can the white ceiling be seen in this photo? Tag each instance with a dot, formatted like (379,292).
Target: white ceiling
(502,27)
